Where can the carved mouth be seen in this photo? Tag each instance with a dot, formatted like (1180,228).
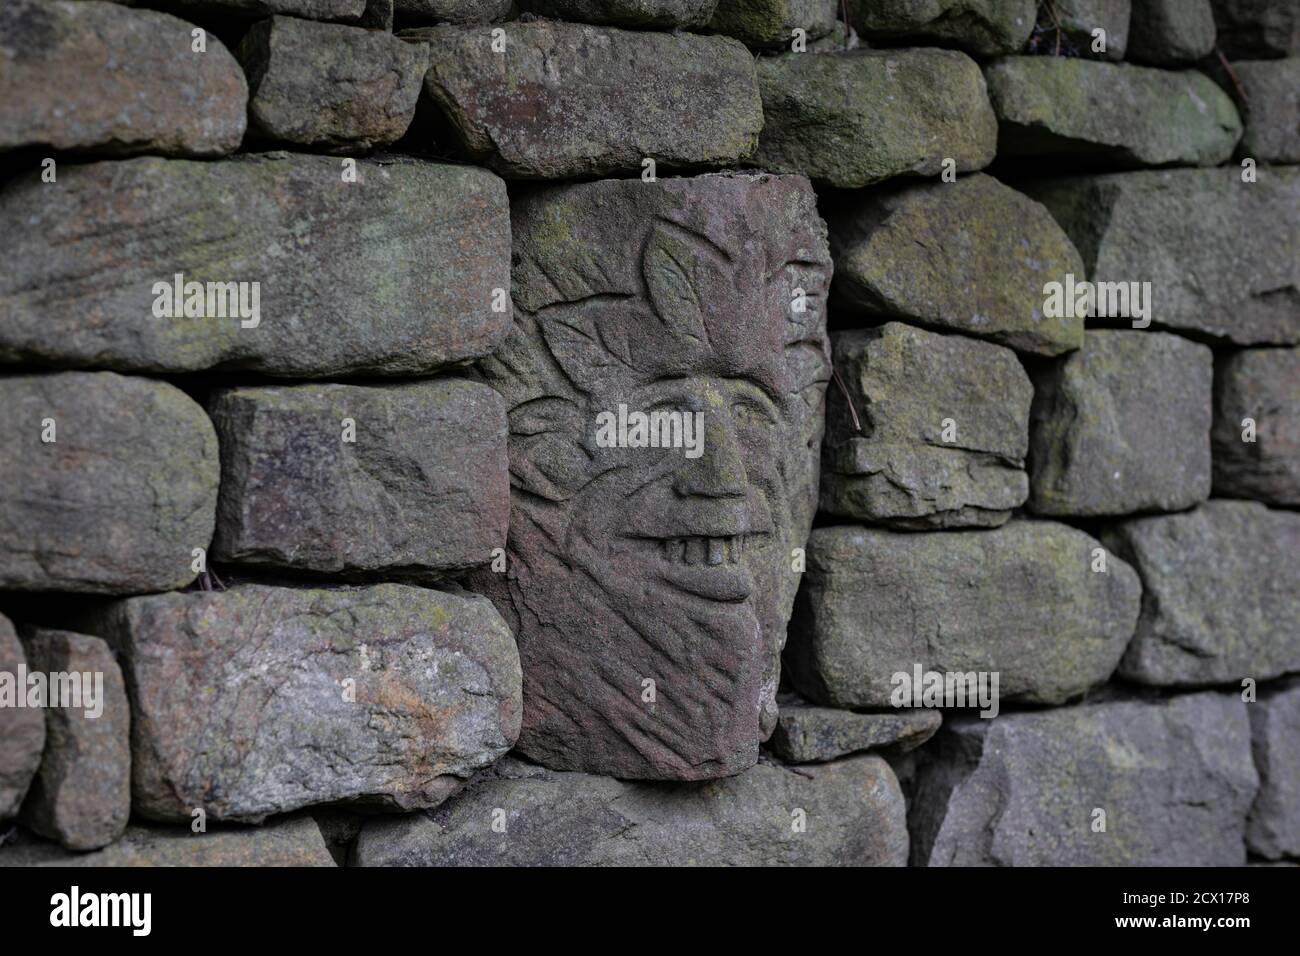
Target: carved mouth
(707,551)
(705,566)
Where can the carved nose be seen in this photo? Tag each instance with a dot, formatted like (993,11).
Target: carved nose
(719,472)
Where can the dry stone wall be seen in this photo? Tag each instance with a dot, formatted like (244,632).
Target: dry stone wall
(649,432)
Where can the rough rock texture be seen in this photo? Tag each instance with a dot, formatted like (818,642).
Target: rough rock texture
(568,100)
(259,700)
(644,14)
(423,488)
(852,814)
(806,734)
(1220,599)
(1264,386)
(1248,29)
(81,796)
(341,10)
(1273,830)
(293,842)
(452,11)
(1174,778)
(1170,32)
(1110,114)
(770,24)
(1238,281)
(329,85)
(1021,600)
(392,274)
(1078,18)
(119,500)
(629,565)
(1122,425)
(980,27)
(972,256)
(105,78)
(1272,111)
(908,386)
(22,729)
(855,118)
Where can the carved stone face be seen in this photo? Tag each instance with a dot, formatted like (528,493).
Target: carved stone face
(649,590)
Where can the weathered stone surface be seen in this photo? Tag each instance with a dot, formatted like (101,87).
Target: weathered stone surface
(22,729)
(81,796)
(646,14)
(971,255)
(423,489)
(635,564)
(1273,829)
(906,385)
(1110,114)
(1122,425)
(1220,594)
(1078,18)
(117,502)
(1273,109)
(330,85)
(1021,600)
(1174,778)
(980,27)
(391,275)
(807,734)
(1238,280)
(240,698)
(341,10)
(853,810)
(568,100)
(105,78)
(1248,29)
(452,11)
(293,842)
(770,24)
(1170,32)
(855,118)
(1264,386)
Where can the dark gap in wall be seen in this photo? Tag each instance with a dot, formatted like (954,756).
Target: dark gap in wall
(228,26)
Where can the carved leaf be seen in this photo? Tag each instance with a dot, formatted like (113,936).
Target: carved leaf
(668,268)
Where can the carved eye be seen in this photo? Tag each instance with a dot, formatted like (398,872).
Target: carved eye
(543,415)
(747,412)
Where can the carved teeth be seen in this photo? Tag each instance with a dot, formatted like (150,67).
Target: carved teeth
(700,550)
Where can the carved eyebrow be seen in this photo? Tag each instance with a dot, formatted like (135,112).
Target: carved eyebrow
(819,267)
(769,400)
(766,400)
